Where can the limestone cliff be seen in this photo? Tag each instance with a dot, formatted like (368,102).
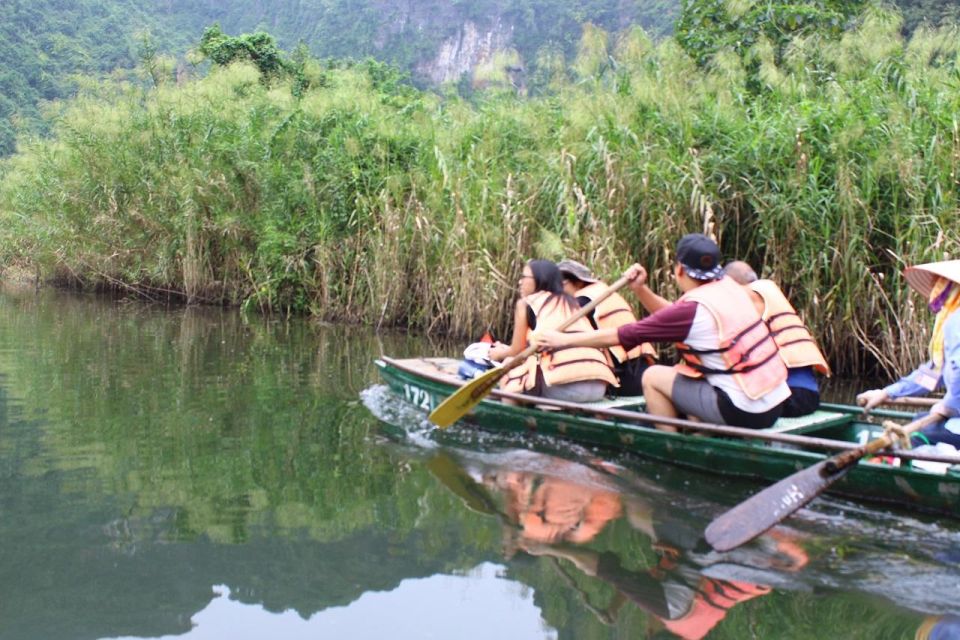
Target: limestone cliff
(466,50)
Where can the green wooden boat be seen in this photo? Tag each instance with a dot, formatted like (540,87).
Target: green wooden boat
(765,455)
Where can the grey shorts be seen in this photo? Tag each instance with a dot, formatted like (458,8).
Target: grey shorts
(697,397)
(585,391)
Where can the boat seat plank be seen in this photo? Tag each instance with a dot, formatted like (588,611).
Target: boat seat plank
(819,419)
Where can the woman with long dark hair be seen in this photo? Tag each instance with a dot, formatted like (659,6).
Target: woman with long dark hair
(576,374)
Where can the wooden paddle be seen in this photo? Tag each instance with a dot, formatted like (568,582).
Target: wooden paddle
(469,395)
(453,476)
(774,504)
(912,402)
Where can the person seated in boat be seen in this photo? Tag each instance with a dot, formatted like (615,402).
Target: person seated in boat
(939,283)
(579,374)
(612,313)
(730,373)
(797,347)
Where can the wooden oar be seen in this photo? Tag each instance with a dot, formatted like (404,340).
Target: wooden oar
(774,504)
(912,402)
(470,394)
(453,476)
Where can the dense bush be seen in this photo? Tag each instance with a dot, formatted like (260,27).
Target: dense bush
(367,200)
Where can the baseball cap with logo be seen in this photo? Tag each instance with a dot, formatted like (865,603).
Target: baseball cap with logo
(700,257)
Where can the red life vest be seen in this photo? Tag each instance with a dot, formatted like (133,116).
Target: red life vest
(714,598)
(748,351)
(612,313)
(797,346)
(573,364)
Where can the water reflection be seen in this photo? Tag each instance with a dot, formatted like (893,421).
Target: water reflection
(169,472)
(626,544)
(555,508)
(456,607)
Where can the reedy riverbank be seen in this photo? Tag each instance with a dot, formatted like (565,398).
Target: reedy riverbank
(364,200)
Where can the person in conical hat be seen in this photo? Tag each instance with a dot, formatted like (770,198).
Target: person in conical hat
(939,283)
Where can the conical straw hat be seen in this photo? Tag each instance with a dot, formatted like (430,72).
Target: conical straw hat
(923,276)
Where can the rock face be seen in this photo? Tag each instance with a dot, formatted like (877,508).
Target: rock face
(464,51)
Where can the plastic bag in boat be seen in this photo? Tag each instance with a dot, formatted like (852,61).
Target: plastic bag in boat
(939,449)
(476,360)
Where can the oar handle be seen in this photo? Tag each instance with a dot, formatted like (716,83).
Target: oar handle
(521,357)
(847,458)
(912,402)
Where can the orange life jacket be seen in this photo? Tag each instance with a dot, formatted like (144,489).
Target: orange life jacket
(572,364)
(797,346)
(612,313)
(714,598)
(563,511)
(745,344)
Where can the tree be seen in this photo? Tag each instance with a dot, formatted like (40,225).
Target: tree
(259,48)
(706,27)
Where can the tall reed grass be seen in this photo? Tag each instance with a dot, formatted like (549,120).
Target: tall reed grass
(363,200)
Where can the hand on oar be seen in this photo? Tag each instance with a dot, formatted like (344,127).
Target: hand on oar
(777,502)
(470,394)
(550,340)
(872,399)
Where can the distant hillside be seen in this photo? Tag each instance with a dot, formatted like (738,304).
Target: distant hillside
(435,39)
(44,43)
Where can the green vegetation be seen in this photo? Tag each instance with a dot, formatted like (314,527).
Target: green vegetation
(706,27)
(366,200)
(45,44)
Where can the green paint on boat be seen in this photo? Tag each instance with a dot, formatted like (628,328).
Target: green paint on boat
(426,382)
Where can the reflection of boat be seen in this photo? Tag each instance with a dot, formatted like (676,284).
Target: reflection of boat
(772,454)
(676,575)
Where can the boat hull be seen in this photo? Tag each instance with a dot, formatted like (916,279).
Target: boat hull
(915,489)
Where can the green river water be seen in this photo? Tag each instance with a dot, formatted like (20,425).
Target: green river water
(196,473)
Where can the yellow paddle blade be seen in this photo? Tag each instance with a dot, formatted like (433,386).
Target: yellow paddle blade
(469,395)
(466,398)
(455,478)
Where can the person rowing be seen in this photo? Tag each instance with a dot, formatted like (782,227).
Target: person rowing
(797,346)
(574,374)
(612,313)
(939,283)
(730,372)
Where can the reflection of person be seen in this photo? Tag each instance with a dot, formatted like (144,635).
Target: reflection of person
(730,373)
(576,375)
(612,313)
(939,283)
(939,628)
(554,515)
(797,347)
(687,603)
(548,509)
